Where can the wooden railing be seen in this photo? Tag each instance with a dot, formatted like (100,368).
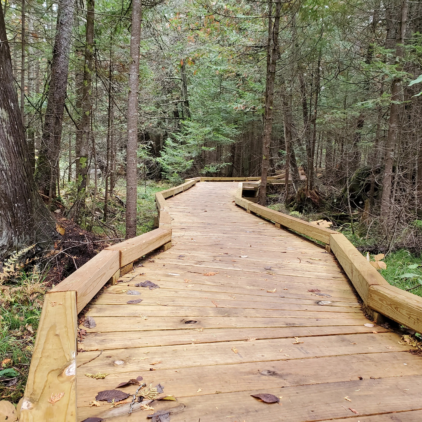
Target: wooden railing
(50,393)
(376,293)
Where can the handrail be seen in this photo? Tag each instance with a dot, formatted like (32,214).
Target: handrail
(376,293)
(50,393)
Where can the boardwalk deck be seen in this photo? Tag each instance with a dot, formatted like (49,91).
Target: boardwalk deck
(243,308)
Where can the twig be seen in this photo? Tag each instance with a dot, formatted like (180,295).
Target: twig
(91,359)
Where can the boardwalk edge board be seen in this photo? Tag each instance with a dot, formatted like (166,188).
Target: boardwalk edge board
(376,293)
(50,393)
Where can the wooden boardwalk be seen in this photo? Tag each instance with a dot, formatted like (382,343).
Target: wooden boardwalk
(244,308)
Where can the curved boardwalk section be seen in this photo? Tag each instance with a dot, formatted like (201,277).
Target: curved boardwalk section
(243,308)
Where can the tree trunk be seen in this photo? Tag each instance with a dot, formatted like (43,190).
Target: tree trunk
(393,125)
(185,91)
(86,110)
(132,122)
(273,31)
(50,142)
(109,128)
(24,219)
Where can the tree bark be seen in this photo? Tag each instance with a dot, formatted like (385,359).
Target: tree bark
(50,142)
(24,219)
(393,125)
(132,122)
(269,98)
(84,139)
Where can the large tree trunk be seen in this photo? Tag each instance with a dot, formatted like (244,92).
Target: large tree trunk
(132,122)
(24,219)
(86,112)
(393,125)
(273,31)
(48,156)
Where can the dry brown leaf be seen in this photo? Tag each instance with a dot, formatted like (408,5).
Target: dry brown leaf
(60,229)
(94,403)
(55,398)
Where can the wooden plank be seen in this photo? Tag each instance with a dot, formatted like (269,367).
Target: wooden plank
(142,359)
(133,249)
(152,323)
(53,367)
(91,277)
(360,272)
(398,416)
(132,339)
(397,304)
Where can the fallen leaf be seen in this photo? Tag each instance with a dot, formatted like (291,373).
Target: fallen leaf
(127,383)
(89,322)
(167,398)
(354,411)
(235,350)
(94,403)
(379,257)
(133,292)
(148,284)
(314,290)
(134,301)
(98,376)
(6,362)
(111,396)
(266,398)
(190,321)
(267,268)
(55,398)
(159,388)
(60,229)
(271,291)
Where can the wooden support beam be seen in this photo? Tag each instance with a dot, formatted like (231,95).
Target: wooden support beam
(126,269)
(167,246)
(50,393)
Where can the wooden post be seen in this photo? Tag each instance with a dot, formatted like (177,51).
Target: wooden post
(126,269)
(167,246)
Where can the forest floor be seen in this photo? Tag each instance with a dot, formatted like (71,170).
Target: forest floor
(22,296)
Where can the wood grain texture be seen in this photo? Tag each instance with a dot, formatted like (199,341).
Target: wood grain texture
(399,305)
(53,366)
(300,226)
(360,272)
(91,277)
(133,249)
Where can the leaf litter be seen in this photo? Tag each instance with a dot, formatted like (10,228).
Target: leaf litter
(266,398)
(148,284)
(89,322)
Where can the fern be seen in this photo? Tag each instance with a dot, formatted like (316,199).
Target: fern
(12,266)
